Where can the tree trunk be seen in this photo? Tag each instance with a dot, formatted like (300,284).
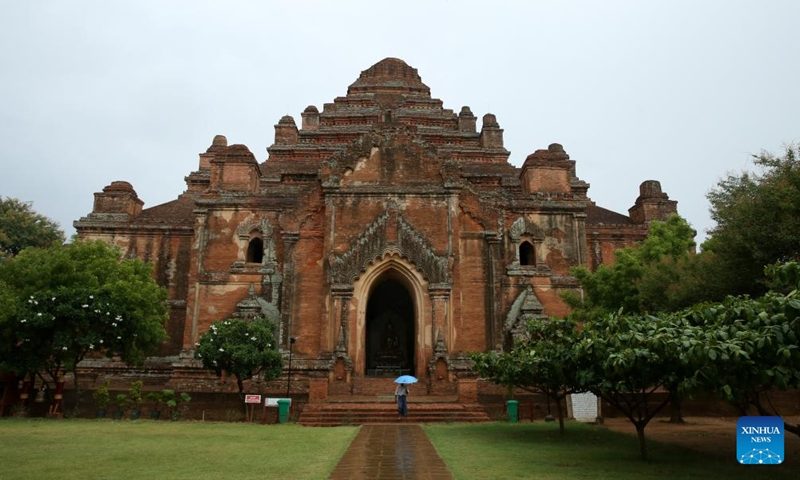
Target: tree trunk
(76,409)
(675,415)
(240,384)
(642,443)
(560,415)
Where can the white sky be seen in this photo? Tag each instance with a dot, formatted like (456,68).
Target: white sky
(681,91)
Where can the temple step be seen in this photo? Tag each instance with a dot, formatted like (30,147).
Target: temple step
(374,386)
(335,414)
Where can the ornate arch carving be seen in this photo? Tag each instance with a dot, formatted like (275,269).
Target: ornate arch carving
(523,226)
(372,245)
(245,230)
(252,224)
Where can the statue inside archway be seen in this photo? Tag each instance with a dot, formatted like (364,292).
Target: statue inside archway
(389,357)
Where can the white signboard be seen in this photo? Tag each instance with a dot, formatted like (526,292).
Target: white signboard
(273,402)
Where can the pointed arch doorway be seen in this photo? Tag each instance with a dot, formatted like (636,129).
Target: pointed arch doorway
(390,333)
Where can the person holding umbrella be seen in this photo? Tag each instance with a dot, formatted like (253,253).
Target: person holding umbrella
(401,391)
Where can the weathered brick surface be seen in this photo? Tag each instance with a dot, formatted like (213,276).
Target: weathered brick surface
(383,186)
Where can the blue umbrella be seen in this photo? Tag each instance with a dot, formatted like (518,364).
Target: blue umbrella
(405,379)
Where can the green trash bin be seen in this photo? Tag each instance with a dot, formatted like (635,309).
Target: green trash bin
(283,410)
(512,407)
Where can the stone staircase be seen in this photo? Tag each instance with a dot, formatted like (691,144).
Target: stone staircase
(372,401)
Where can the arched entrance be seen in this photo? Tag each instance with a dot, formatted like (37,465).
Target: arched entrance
(390,335)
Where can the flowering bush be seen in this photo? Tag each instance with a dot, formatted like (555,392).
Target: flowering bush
(64,303)
(242,348)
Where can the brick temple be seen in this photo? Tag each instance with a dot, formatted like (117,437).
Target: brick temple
(385,233)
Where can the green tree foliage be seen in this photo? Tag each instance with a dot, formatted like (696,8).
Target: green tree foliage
(76,300)
(242,348)
(640,275)
(672,238)
(628,359)
(742,349)
(752,346)
(22,227)
(544,363)
(674,283)
(757,219)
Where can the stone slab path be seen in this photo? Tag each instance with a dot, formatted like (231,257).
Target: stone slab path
(391,452)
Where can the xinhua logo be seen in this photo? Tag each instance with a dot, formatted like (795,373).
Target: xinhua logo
(759,440)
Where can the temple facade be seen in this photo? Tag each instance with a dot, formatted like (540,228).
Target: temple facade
(386,234)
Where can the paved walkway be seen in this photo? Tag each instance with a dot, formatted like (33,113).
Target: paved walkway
(391,452)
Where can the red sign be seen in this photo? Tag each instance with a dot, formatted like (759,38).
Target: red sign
(252,399)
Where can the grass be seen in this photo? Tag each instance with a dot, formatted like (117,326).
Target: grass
(500,451)
(79,449)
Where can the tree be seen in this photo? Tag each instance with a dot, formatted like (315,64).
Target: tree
(657,275)
(628,359)
(77,300)
(544,363)
(22,227)
(674,283)
(635,282)
(753,345)
(242,348)
(757,219)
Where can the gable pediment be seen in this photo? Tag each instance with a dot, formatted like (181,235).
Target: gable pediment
(389,156)
(373,243)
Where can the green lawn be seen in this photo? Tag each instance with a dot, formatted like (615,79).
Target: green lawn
(80,449)
(501,451)
(96,449)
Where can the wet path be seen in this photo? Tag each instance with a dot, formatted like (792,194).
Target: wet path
(389,452)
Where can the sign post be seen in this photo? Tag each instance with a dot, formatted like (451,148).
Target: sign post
(251,401)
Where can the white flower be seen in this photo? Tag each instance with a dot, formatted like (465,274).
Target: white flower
(221,349)
(91,297)
(91,346)
(53,299)
(196,344)
(119,338)
(114,324)
(39,314)
(84,306)
(253,338)
(35,302)
(23,320)
(64,348)
(101,340)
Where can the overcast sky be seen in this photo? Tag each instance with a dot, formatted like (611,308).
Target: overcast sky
(677,91)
